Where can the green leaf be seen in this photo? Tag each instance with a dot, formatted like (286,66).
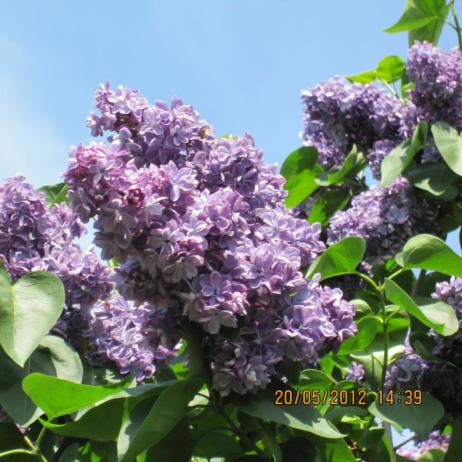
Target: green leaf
(436,179)
(168,448)
(217,443)
(166,413)
(330,451)
(455,446)
(390,68)
(420,419)
(353,164)
(54,357)
(340,258)
(430,253)
(435,314)
(271,444)
(55,193)
(401,157)
(59,397)
(329,203)
(101,423)
(367,329)
(28,310)
(314,379)
(449,144)
(404,25)
(423,19)
(300,417)
(301,169)
(363,77)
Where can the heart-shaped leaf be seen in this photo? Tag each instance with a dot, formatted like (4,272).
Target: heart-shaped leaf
(28,310)
(449,144)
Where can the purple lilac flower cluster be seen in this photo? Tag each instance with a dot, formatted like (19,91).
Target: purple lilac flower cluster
(196,223)
(437,77)
(35,237)
(435,440)
(102,326)
(338,115)
(386,217)
(441,378)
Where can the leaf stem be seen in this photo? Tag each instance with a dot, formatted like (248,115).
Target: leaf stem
(457,28)
(385,341)
(369,280)
(17,451)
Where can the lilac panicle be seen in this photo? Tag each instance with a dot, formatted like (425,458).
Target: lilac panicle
(197,222)
(386,217)
(338,115)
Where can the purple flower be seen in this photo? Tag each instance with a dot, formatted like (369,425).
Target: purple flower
(339,115)
(196,221)
(386,217)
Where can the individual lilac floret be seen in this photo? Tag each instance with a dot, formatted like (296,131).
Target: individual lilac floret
(197,221)
(339,115)
(356,372)
(131,336)
(386,217)
(437,77)
(435,440)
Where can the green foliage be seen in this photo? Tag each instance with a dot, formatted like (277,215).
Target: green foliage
(430,253)
(423,19)
(449,144)
(340,258)
(55,193)
(300,169)
(28,310)
(53,357)
(419,418)
(167,411)
(455,446)
(401,157)
(298,416)
(304,175)
(58,397)
(435,314)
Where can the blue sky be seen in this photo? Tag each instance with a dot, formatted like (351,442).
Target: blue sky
(241,63)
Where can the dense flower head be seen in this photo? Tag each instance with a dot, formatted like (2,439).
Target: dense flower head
(338,115)
(418,447)
(34,236)
(196,221)
(437,77)
(133,337)
(386,217)
(101,324)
